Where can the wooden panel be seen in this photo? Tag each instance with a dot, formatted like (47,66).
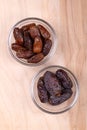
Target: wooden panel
(69,19)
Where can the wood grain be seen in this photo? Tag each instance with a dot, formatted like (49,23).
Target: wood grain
(69,19)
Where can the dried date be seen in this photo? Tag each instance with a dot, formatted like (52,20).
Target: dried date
(28,44)
(36,58)
(47,47)
(42,92)
(44,32)
(18,35)
(51,83)
(64,78)
(37,46)
(55,100)
(67,90)
(17,47)
(28,26)
(34,31)
(24,54)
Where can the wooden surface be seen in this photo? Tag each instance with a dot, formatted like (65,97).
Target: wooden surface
(69,19)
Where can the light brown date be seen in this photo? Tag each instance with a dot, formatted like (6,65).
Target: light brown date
(44,32)
(34,31)
(37,46)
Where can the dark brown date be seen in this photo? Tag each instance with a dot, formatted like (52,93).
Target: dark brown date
(55,100)
(47,47)
(51,83)
(34,31)
(42,92)
(18,36)
(37,46)
(64,78)
(44,32)
(28,44)
(27,27)
(55,92)
(17,47)
(24,54)
(36,58)
(67,90)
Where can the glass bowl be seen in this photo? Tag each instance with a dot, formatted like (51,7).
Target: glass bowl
(46,107)
(37,21)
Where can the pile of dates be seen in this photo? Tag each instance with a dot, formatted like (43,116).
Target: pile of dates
(32,42)
(54,88)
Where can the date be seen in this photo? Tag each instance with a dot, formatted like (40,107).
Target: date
(36,58)
(37,46)
(51,83)
(28,26)
(42,92)
(44,32)
(28,44)
(18,36)
(34,31)
(55,100)
(17,47)
(24,54)
(47,47)
(64,78)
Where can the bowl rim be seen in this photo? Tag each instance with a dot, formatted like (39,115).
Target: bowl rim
(52,51)
(76,85)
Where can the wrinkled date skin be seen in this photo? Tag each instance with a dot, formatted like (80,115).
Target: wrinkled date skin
(34,31)
(28,41)
(51,83)
(55,100)
(24,54)
(17,47)
(18,35)
(44,32)
(37,47)
(64,78)
(36,58)
(47,47)
(42,92)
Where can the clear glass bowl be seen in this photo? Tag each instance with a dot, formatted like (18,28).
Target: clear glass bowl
(46,107)
(37,21)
